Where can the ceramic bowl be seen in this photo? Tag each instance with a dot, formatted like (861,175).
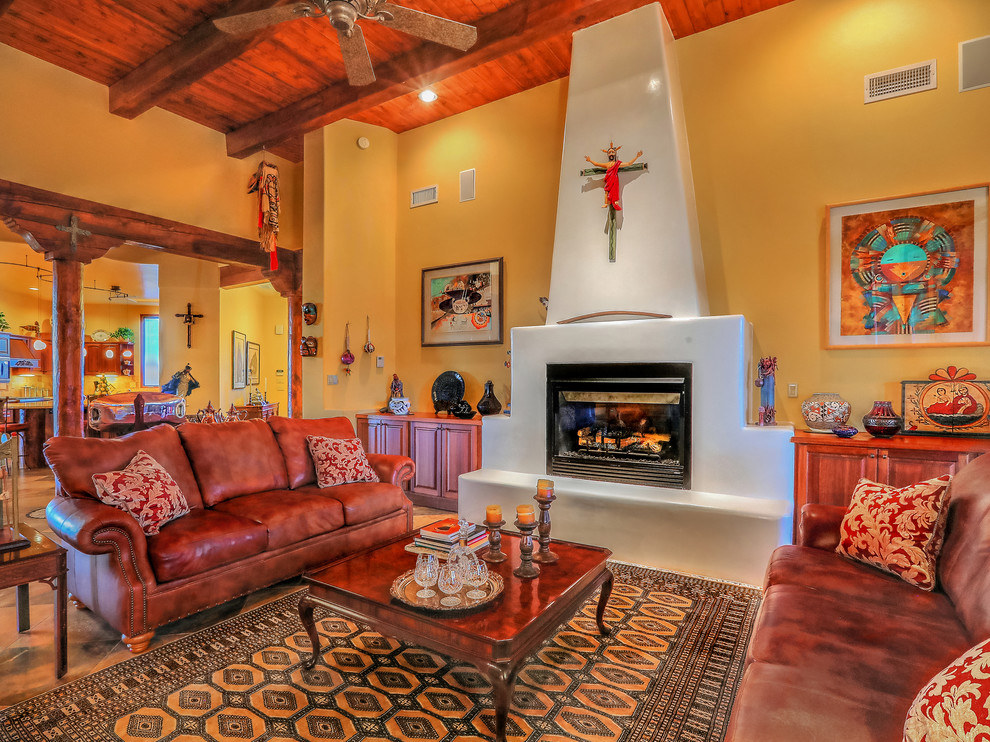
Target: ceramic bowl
(845,431)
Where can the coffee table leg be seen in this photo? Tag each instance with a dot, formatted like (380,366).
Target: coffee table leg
(602,602)
(502,677)
(306,616)
(61,619)
(23,608)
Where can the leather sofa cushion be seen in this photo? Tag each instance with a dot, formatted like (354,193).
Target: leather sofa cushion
(201,541)
(291,435)
(233,459)
(75,460)
(289,516)
(362,501)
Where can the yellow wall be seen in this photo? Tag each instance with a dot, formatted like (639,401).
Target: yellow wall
(515,146)
(257,311)
(778,129)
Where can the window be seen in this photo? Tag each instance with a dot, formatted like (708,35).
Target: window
(150,371)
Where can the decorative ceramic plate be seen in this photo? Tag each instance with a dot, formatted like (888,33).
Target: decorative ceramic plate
(101,336)
(404,589)
(448,390)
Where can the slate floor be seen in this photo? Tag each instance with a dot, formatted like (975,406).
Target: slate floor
(27,660)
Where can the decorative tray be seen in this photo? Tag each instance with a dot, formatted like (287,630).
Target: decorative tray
(404,589)
(448,390)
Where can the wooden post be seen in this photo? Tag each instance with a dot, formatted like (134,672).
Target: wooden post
(294,302)
(67,346)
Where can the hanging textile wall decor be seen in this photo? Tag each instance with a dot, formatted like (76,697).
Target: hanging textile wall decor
(265,182)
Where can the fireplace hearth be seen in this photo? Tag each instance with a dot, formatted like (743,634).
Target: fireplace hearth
(620,422)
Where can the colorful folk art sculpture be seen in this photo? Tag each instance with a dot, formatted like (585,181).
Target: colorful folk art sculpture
(265,183)
(765,380)
(611,170)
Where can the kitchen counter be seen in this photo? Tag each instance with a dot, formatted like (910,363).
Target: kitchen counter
(36,413)
(27,403)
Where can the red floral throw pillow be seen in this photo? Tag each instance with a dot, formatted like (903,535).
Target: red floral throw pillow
(955,705)
(145,490)
(897,530)
(339,461)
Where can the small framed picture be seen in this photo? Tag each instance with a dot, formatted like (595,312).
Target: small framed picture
(908,271)
(951,401)
(462,304)
(253,363)
(238,359)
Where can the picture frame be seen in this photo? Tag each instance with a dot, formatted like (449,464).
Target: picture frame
(253,363)
(238,359)
(946,406)
(907,271)
(462,304)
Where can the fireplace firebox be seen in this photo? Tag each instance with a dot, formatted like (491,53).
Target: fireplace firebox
(620,422)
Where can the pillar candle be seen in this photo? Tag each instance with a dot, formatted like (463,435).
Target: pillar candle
(493,513)
(544,486)
(525,514)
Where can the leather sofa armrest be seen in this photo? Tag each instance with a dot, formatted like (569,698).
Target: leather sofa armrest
(93,527)
(819,526)
(392,469)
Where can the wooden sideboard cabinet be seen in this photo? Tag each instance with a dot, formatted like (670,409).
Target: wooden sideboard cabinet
(258,411)
(827,468)
(442,447)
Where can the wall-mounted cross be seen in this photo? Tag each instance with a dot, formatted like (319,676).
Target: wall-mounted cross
(74,231)
(611,170)
(189,319)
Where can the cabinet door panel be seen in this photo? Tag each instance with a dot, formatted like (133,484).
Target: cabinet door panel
(459,457)
(424,446)
(901,468)
(365,434)
(394,438)
(828,474)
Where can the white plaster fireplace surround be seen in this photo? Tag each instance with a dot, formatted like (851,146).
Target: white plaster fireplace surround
(623,86)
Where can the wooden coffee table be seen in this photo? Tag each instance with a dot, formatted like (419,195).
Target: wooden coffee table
(496,638)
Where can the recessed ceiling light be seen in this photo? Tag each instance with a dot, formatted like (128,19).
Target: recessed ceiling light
(427,96)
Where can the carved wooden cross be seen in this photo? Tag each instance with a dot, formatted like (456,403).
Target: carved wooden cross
(74,231)
(611,170)
(189,319)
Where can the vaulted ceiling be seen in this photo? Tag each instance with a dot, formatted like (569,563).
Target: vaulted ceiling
(269,88)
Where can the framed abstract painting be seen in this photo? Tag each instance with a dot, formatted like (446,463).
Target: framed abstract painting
(908,271)
(462,304)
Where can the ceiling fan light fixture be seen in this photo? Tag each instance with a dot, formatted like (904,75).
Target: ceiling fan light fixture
(428,96)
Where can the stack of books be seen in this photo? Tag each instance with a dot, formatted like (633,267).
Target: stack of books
(438,538)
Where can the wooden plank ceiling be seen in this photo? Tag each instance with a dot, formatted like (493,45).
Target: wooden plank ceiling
(270,88)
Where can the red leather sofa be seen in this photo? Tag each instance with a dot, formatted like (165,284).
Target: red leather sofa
(257,517)
(840,650)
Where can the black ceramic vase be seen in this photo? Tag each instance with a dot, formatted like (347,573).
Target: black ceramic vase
(489,404)
(882,421)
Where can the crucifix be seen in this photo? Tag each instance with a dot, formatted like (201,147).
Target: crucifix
(611,170)
(189,319)
(74,231)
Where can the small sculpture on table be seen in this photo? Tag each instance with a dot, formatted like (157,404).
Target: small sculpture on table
(397,403)
(765,379)
(526,523)
(493,523)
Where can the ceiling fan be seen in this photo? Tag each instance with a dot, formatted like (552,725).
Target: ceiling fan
(343,16)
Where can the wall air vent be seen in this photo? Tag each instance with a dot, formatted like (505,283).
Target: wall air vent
(423,196)
(974,64)
(902,81)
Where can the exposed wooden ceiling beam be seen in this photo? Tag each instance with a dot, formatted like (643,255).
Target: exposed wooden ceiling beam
(5,5)
(202,50)
(239,275)
(509,30)
(37,212)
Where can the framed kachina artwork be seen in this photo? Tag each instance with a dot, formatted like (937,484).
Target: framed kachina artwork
(462,304)
(951,401)
(908,271)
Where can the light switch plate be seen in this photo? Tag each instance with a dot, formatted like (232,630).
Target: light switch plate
(792,390)
(331,379)
(279,329)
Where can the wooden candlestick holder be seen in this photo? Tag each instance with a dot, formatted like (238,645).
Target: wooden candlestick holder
(527,570)
(494,555)
(544,555)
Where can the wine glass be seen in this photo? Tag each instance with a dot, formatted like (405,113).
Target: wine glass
(477,575)
(449,582)
(427,571)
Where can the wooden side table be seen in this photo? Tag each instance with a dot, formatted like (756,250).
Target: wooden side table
(258,411)
(41,561)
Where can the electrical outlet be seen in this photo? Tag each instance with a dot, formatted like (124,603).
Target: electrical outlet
(380,362)
(792,390)
(331,379)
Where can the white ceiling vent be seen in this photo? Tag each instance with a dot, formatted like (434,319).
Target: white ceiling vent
(903,81)
(423,196)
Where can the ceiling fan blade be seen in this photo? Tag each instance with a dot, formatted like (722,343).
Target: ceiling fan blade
(258,19)
(357,62)
(429,27)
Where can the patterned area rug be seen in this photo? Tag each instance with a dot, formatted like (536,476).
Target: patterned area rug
(668,670)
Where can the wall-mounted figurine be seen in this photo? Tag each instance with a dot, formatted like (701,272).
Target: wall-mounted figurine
(369,347)
(347,358)
(308,346)
(309,313)
(765,381)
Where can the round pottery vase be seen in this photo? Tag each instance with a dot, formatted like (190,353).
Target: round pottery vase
(824,411)
(882,421)
(489,404)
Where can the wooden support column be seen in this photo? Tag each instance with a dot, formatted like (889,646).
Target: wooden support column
(67,346)
(294,301)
